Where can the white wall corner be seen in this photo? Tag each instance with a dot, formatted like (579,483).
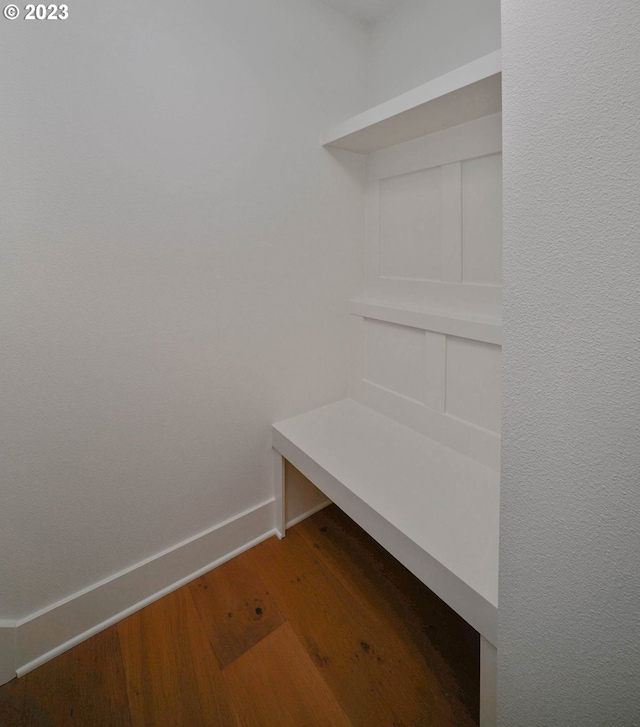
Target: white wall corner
(7,651)
(44,635)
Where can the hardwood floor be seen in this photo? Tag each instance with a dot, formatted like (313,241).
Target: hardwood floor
(323,628)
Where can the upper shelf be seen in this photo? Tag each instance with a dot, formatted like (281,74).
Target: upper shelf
(468,93)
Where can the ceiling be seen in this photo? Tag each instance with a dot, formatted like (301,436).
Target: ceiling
(368,11)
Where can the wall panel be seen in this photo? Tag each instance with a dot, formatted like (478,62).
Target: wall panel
(410,225)
(395,358)
(482,220)
(474,382)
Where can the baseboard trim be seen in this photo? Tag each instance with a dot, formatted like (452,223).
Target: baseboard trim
(52,631)
(7,651)
(308,513)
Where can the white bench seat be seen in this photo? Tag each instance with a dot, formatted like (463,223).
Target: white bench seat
(432,508)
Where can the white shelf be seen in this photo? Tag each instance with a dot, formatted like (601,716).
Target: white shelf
(431,507)
(475,329)
(468,93)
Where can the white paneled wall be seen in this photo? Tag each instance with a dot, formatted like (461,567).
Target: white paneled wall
(410,214)
(482,220)
(473,387)
(434,268)
(434,222)
(395,358)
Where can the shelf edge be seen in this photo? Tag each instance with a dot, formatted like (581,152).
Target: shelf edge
(487,331)
(456,80)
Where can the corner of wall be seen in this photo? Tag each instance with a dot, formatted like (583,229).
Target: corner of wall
(7,651)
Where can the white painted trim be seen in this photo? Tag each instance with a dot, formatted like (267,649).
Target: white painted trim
(457,300)
(279,493)
(299,518)
(473,441)
(451,232)
(478,330)
(488,684)
(48,633)
(373,263)
(7,651)
(469,92)
(356,353)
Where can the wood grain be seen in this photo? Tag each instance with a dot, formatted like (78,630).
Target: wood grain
(12,703)
(235,608)
(82,687)
(375,678)
(448,646)
(172,676)
(277,683)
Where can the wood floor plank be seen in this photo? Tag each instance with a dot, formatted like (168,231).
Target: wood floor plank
(449,646)
(276,684)
(84,687)
(235,608)
(375,677)
(12,703)
(172,676)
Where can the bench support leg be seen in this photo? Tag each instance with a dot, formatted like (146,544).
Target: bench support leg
(488,683)
(278,487)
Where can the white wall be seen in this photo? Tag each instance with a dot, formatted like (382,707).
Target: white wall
(569,641)
(424,39)
(177,255)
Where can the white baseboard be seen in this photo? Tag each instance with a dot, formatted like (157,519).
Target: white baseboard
(303,516)
(43,635)
(7,651)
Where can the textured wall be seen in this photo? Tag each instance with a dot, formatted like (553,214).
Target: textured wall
(569,649)
(177,256)
(423,39)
